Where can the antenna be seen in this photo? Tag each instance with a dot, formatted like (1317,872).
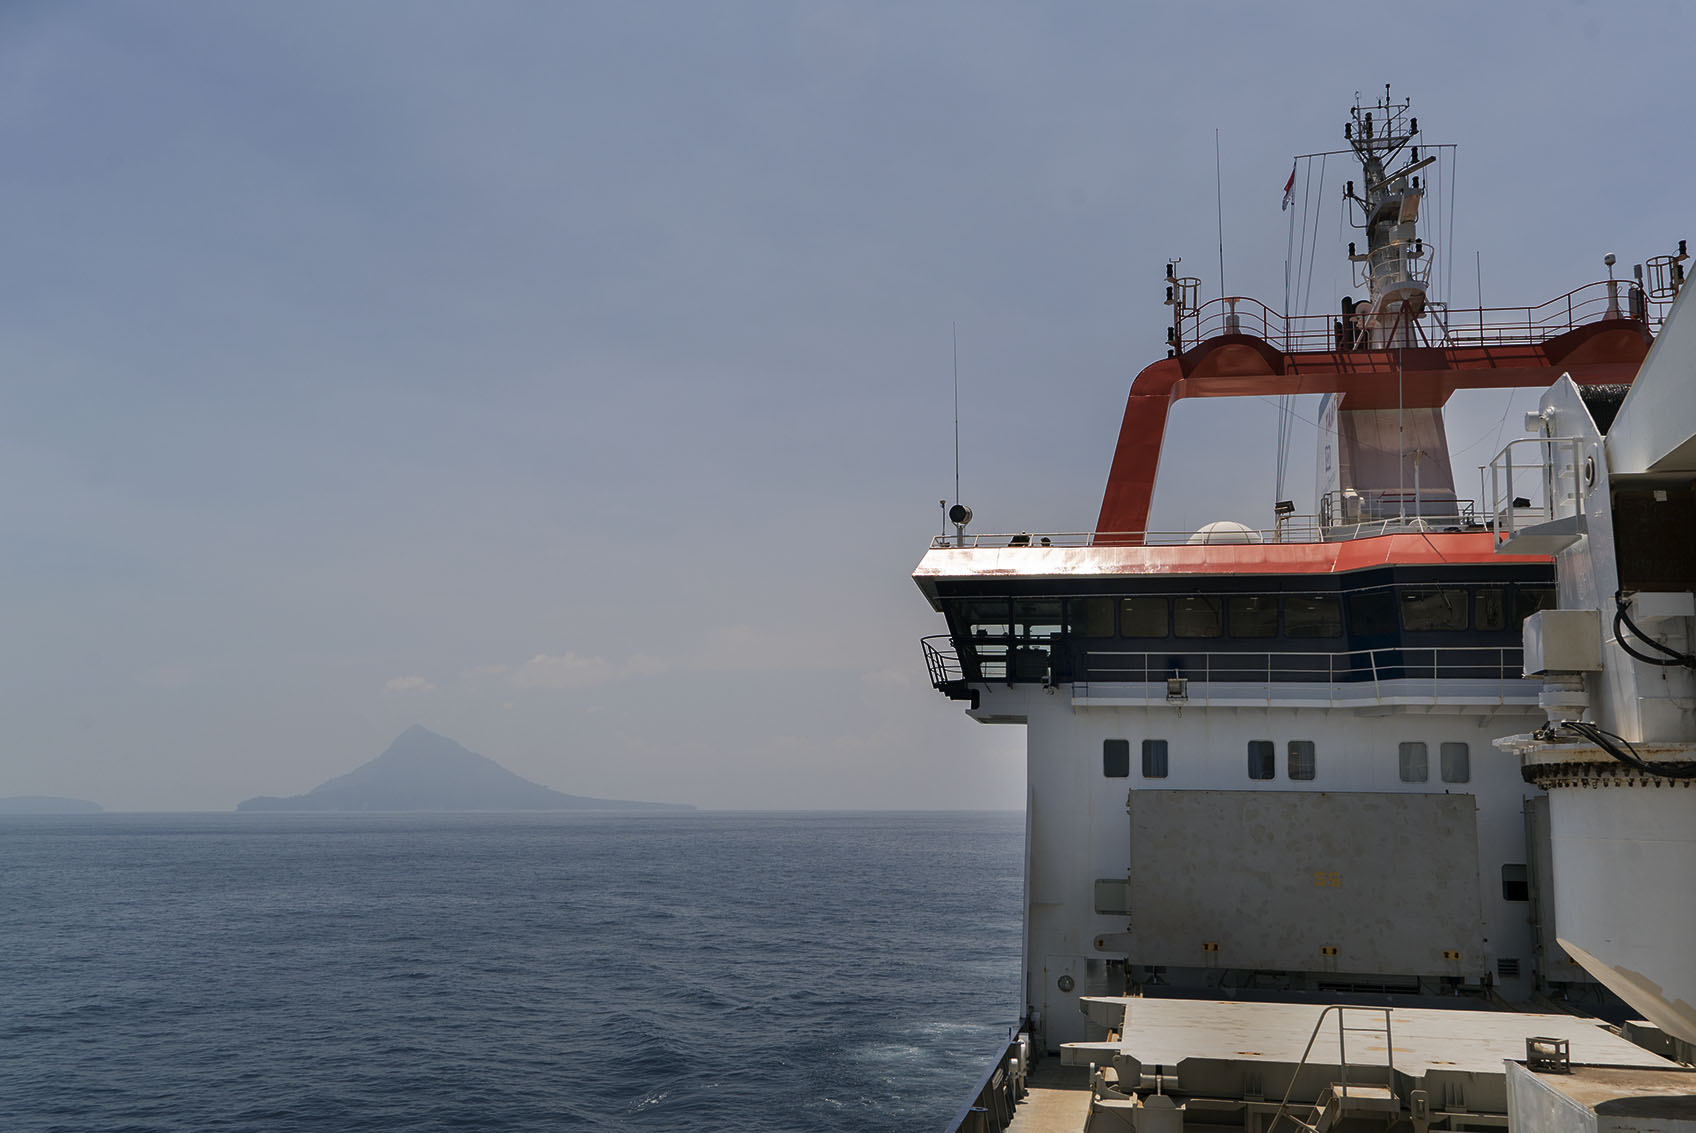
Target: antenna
(1219,206)
(955,327)
(959,515)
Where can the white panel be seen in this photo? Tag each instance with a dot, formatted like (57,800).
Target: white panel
(1655,430)
(1563,641)
(1248,879)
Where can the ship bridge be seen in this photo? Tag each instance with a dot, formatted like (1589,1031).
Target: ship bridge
(1393,618)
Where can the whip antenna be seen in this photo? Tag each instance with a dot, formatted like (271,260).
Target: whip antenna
(959,515)
(1219,208)
(955,328)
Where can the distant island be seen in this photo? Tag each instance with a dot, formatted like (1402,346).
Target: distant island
(424,771)
(47,804)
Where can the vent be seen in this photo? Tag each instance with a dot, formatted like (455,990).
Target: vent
(1507,967)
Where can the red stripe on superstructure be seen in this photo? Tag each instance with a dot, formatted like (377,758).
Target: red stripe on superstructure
(1240,365)
(1428,549)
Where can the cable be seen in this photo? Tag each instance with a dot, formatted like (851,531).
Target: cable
(1627,754)
(1670,656)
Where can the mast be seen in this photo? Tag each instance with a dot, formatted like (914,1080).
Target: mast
(1395,261)
(1388,464)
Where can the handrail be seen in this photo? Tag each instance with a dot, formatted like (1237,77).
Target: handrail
(1457,326)
(1290,529)
(1348,676)
(943,664)
(1561,484)
(1342,1058)
(1226,674)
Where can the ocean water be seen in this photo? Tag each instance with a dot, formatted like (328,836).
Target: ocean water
(504,972)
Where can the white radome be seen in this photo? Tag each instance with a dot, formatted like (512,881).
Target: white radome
(1226,531)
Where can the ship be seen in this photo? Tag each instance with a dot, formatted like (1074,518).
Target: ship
(1379,816)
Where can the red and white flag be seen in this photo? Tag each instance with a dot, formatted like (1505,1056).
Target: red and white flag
(1290,188)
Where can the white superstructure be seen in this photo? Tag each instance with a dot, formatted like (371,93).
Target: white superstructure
(1618,754)
(1263,766)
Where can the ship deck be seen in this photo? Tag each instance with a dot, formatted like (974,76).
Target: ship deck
(1056,1100)
(1166,1032)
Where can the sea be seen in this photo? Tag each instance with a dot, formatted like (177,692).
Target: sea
(674,970)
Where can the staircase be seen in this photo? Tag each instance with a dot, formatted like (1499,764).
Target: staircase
(1354,1094)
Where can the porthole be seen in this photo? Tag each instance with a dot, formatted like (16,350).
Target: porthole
(1066,983)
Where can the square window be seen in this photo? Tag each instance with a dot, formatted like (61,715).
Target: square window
(1301,759)
(1036,617)
(1516,884)
(1199,616)
(1527,600)
(985,617)
(1433,609)
(1253,615)
(1262,759)
(1489,609)
(1372,614)
(1116,759)
(1457,763)
(1091,617)
(1143,617)
(1313,616)
(1154,759)
(1415,763)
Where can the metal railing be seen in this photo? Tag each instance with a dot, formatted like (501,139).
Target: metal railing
(1234,676)
(942,663)
(1347,676)
(1455,515)
(1562,473)
(1441,325)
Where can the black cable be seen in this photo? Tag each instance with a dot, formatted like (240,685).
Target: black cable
(1622,601)
(1609,742)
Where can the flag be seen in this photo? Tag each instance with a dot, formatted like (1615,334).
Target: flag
(1290,189)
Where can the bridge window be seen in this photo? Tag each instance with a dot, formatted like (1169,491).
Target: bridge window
(1457,763)
(1154,759)
(1302,761)
(1116,759)
(1091,617)
(1144,617)
(1198,616)
(1316,616)
(1262,759)
(1253,615)
(1433,610)
(986,617)
(1489,609)
(1372,614)
(1527,600)
(1036,617)
(1414,761)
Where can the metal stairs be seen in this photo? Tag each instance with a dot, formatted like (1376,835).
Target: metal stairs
(1349,1096)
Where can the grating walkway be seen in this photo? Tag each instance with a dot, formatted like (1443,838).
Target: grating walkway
(1057,1099)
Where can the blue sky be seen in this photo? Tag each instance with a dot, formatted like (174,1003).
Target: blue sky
(575,379)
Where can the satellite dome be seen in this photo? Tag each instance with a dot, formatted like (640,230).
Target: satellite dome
(1226,531)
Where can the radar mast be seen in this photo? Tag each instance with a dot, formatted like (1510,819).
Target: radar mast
(1396,266)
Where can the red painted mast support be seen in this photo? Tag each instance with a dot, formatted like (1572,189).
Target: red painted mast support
(1240,365)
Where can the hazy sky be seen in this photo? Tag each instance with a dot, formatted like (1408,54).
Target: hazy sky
(574,379)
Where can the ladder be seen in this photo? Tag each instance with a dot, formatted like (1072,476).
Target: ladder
(1344,1098)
